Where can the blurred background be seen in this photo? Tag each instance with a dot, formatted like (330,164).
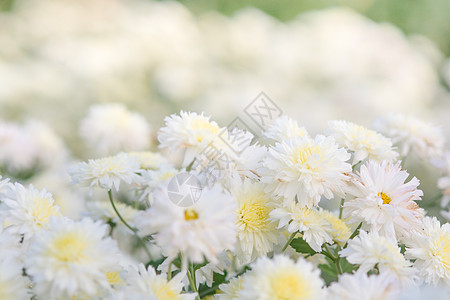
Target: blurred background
(317,60)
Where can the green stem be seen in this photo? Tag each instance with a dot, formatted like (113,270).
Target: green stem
(288,241)
(341,208)
(192,283)
(169,272)
(189,167)
(355,233)
(330,254)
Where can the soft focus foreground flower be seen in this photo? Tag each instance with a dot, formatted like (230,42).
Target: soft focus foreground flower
(384,200)
(200,231)
(106,172)
(412,134)
(430,247)
(111,128)
(281,278)
(71,259)
(13,286)
(306,168)
(284,128)
(363,142)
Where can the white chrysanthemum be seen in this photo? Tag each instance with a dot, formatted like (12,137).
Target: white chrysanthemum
(316,229)
(149,160)
(364,143)
(25,211)
(189,131)
(284,128)
(106,172)
(151,179)
(230,290)
(200,231)
(256,234)
(370,250)
(103,210)
(384,200)
(360,286)
(340,231)
(430,247)
(145,284)
(111,128)
(411,134)
(281,278)
(13,286)
(71,259)
(306,168)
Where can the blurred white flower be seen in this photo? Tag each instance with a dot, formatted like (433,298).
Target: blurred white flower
(230,290)
(13,285)
(363,142)
(384,200)
(306,168)
(149,160)
(284,128)
(112,128)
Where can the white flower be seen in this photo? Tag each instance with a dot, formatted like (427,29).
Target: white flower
(364,143)
(360,286)
(151,179)
(370,250)
(256,234)
(306,168)
(25,211)
(340,231)
(187,130)
(111,128)
(430,247)
(106,172)
(231,289)
(145,284)
(149,160)
(103,210)
(13,286)
(281,278)
(71,259)
(411,134)
(284,128)
(200,231)
(316,229)
(384,200)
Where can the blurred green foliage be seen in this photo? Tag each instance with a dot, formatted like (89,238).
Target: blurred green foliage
(427,17)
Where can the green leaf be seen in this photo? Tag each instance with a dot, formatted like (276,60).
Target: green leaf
(328,273)
(218,279)
(301,246)
(346,266)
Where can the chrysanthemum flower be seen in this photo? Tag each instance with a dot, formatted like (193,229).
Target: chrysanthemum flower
(411,134)
(384,200)
(149,160)
(200,231)
(316,229)
(284,128)
(71,259)
(27,210)
(370,250)
(106,172)
(360,286)
(306,168)
(340,231)
(13,286)
(256,234)
(430,247)
(364,143)
(230,290)
(281,278)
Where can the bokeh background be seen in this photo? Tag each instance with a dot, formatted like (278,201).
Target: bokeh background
(317,60)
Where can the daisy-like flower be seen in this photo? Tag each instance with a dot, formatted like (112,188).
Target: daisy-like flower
(340,231)
(106,172)
(281,278)
(370,250)
(145,284)
(231,289)
(71,259)
(111,128)
(189,131)
(25,211)
(200,231)
(411,134)
(430,247)
(360,286)
(363,142)
(13,286)
(284,128)
(384,200)
(306,168)
(256,234)
(149,160)
(151,179)
(316,229)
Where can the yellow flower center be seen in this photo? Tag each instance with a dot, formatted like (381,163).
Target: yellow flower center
(288,285)
(442,246)
(69,248)
(41,210)
(190,214)
(113,278)
(253,215)
(386,198)
(163,290)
